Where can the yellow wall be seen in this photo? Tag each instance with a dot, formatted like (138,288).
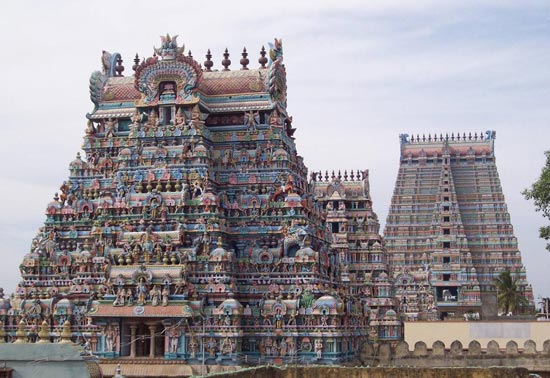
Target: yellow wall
(482,331)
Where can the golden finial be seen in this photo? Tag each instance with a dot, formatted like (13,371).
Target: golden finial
(66,334)
(20,334)
(44,333)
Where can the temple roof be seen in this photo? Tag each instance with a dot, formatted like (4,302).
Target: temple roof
(461,144)
(116,96)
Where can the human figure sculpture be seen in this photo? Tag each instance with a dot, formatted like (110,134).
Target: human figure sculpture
(283,347)
(90,128)
(119,300)
(319,348)
(179,119)
(110,339)
(165,294)
(278,319)
(226,347)
(110,127)
(141,292)
(274,119)
(153,120)
(129,297)
(155,294)
(193,348)
(136,118)
(251,120)
(174,340)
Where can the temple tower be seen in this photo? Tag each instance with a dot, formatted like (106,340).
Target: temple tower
(448,221)
(354,231)
(188,231)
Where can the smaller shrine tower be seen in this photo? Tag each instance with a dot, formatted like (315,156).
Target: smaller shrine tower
(354,228)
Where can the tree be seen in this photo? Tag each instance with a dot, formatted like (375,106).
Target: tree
(509,297)
(540,193)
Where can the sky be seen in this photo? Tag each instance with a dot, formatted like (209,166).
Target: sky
(359,73)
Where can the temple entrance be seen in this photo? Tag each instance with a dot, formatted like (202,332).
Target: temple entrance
(142,339)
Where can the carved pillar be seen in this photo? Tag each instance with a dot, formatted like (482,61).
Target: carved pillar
(133,329)
(152,328)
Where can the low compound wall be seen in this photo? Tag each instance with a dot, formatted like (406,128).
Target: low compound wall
(457,355)
(363,372)
(481,331)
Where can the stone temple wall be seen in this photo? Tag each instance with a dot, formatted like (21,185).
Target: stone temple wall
(481,331)
(457,355)
(361,372)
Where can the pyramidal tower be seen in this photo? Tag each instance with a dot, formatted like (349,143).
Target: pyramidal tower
(189,231)
(448,231)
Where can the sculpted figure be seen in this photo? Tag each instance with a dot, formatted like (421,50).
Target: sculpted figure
(165,294)
(274,119)
(179,119)
(319,348)
(110,127)
(174,340)
(141,292)
(155,293)
(90,128)
(119,300)
(193,347)
(251,120)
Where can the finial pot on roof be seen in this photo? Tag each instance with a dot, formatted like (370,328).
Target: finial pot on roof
(244,60)
(20,334)
(208,62)
(44,333)
(66,334)
(226,62)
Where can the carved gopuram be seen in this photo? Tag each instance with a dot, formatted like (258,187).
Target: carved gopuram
(354,229)
(189,231)
(448,231)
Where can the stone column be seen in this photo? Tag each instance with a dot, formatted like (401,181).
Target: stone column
(133,329)
(152,328)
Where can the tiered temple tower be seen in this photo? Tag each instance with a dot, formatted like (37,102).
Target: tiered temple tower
(189,229)
(448,230)
(354,229)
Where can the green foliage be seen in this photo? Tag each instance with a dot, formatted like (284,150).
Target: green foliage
(509,297)
(540,193)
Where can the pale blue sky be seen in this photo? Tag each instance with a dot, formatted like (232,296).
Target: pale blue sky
(359,74)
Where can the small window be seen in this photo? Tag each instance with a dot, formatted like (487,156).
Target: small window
(123,125)
(446,259)
(166,115)
(446,208)
(335,227)
(446,219)
(446,245)
(446,198)
(446,277)
(446,231)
